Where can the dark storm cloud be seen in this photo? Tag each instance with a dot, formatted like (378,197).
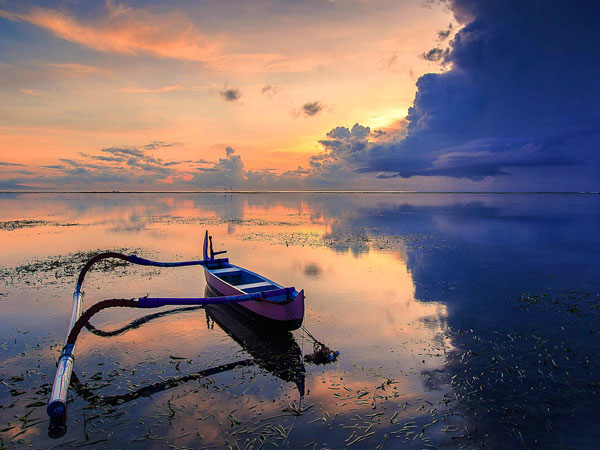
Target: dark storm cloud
(444,34)
(312,108)
(435,54)
(523,91)
(230,95)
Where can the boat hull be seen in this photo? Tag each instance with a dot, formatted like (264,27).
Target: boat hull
(274,316)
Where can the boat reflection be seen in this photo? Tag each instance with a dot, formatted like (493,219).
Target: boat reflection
(277,352)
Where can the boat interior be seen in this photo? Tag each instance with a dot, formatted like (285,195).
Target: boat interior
(243,280)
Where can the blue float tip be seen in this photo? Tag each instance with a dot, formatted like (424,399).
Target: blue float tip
(56,409)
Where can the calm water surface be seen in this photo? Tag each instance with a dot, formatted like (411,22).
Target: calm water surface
(463,321)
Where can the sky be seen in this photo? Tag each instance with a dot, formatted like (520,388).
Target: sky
(300,94)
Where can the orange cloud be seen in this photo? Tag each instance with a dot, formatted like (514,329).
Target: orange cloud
(74,69)
(127,30)
(29,92)
(174,87)
(173,35)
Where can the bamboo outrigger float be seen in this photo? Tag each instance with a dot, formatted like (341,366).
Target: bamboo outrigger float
(274,306)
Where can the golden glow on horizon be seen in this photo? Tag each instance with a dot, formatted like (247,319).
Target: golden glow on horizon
(127,76)
(393,116)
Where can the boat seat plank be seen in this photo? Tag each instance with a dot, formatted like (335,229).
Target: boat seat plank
(225,270)
(243,287)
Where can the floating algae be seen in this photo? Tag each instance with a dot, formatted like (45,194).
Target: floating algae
(40,270)
(11,225)
(353,241)
(214,221)
(512,385)
(577,303)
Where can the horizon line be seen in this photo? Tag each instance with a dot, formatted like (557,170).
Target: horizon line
(300,191)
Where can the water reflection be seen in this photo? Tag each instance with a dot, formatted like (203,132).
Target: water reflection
(471,317)
(277,353)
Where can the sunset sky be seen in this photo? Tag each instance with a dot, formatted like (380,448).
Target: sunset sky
(303,94)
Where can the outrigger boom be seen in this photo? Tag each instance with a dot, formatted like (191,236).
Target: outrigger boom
(271,298)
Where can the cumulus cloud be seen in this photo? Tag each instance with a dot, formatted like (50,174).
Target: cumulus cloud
(342,148)
(137,167)
(312,108)
(522,92)
(129,167)
(231,95)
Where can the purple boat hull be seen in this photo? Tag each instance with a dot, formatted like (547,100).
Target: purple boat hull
(277,315)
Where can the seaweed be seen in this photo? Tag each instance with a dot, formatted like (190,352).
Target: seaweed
(11,225)
(60,266)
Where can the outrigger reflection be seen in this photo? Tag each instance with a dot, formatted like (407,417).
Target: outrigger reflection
(252,299)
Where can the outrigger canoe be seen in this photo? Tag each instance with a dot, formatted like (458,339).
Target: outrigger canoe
(275,306)
(281,312)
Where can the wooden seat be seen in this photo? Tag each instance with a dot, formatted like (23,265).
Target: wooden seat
(243,287)
(225,270)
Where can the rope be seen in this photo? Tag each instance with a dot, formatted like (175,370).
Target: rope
(303,327)
(321,353)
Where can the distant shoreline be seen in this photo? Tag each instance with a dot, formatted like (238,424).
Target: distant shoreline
(301,192)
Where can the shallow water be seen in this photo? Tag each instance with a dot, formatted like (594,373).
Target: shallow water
(463,321)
